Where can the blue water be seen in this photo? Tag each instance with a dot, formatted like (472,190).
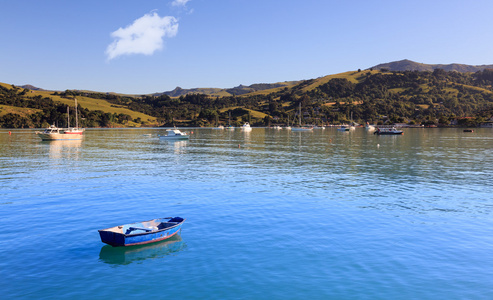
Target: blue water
(270,215)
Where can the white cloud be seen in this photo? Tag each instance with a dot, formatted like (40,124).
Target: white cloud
(144,36)
(179,2)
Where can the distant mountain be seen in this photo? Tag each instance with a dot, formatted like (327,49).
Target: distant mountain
(178,91)
(239,90)
(31,87)
(409,65)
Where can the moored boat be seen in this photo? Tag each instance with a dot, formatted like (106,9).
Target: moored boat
(174,134)
(346,128)
(388,131)
(246,127)
(53,133)
(369,127)
(301,128)
(140,233)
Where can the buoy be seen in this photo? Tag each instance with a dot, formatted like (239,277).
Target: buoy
(10,133)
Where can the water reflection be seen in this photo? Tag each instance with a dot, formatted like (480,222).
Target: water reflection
(61,149)
(127,255)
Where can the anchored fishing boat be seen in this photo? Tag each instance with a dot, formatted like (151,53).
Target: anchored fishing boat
(141,232)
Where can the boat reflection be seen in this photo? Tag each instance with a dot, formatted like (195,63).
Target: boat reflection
(64,148)
(127,255)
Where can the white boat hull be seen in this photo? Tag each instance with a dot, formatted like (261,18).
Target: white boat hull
(301,129)
(60,136)
(183,137)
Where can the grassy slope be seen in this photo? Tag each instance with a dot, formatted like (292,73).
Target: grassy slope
(353,76)
(86,102)
(103,105)
(23,112)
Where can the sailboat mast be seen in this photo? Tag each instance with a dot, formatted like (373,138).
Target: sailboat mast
(76,119)
(68,117)
(299,116)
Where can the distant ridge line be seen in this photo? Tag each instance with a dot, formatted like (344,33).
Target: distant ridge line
(409,65)
(401,65)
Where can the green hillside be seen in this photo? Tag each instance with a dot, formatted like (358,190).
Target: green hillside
(415,97)
(408,65)
(34,104)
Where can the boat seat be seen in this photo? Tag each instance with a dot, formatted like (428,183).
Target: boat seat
(139,228)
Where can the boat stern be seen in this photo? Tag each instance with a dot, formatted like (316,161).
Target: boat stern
(112,238)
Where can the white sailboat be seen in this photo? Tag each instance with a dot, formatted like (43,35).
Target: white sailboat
(288,127)
(229,127)
(54,133)
(301,128)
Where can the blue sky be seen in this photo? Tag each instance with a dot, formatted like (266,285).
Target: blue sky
(148,46)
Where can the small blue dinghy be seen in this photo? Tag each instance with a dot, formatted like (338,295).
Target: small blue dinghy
(141,232)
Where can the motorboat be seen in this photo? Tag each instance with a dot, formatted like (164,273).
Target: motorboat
(246,127)
(369,127)
(388,131)
(346,128)
(302,129)
(174,134)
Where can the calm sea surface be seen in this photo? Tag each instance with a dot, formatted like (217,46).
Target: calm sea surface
(271,214)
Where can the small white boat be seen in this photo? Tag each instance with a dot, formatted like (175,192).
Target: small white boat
(174,134)
(388,131)
(277,127)
(302,129)
(369,127)
(246,127)
(346,128)
(220,127)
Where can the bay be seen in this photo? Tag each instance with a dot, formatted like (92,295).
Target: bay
(271,214)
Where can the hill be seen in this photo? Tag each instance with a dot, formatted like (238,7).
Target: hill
(239,90)
(408,65)
(375,96)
